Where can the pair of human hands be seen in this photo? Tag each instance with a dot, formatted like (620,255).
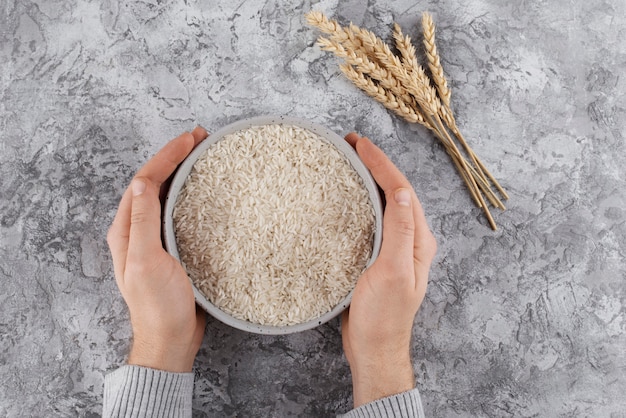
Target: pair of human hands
(168,327)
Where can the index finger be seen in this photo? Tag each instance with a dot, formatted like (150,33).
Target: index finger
(164,163)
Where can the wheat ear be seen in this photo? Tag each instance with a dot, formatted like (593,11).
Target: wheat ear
(439,78)
(336,32)
(434,62)
(385,97)
(419,87)
(402,86)
(363,64)
(347,43)
(407,51)
(409,61)
(417,83)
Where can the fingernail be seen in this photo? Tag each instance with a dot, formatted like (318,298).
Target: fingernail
(138,187)
(403,197)
(203,130)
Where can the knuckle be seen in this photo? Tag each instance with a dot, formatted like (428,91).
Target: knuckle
(145,273)
(139,270)
(405,227)
(396,274)
(138,216)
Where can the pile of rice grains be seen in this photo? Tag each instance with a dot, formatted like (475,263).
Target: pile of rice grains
(274,225)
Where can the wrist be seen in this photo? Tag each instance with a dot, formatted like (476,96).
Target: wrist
(381,376)
(168,357)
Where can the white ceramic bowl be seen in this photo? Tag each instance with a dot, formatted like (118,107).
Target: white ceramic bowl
(185,168)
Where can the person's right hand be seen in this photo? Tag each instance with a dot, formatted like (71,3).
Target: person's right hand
(167,325)
(376,329)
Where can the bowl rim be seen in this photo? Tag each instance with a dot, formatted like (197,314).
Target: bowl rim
(185,168)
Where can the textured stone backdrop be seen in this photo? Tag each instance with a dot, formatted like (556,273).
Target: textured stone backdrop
(526,321)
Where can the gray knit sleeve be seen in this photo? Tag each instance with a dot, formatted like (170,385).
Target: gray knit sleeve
(406,405)
(134,391)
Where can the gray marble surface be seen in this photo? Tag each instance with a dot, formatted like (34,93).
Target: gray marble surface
(528,321)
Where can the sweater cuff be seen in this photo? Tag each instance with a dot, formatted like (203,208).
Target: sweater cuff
(406,404)
(144,392)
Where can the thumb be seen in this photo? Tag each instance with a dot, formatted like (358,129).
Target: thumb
(398,232)
(145,221)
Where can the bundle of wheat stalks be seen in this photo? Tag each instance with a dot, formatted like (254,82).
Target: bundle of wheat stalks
(401,85)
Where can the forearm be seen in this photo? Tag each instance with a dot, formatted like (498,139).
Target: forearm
(381,377)
(162,355)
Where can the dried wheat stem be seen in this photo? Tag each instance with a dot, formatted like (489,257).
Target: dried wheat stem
(503,192)
(464,164)
(486,189)
(484,169)
(434,62)
(482,185)
(480,179)
(471,153)
(457,158)
(436,121)
(446,115)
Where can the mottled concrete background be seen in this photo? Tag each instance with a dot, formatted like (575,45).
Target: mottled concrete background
(526,321)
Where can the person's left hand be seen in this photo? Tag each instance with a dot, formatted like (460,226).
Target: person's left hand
(167,326)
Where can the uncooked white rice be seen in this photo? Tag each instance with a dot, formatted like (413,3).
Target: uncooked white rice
(274,225)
